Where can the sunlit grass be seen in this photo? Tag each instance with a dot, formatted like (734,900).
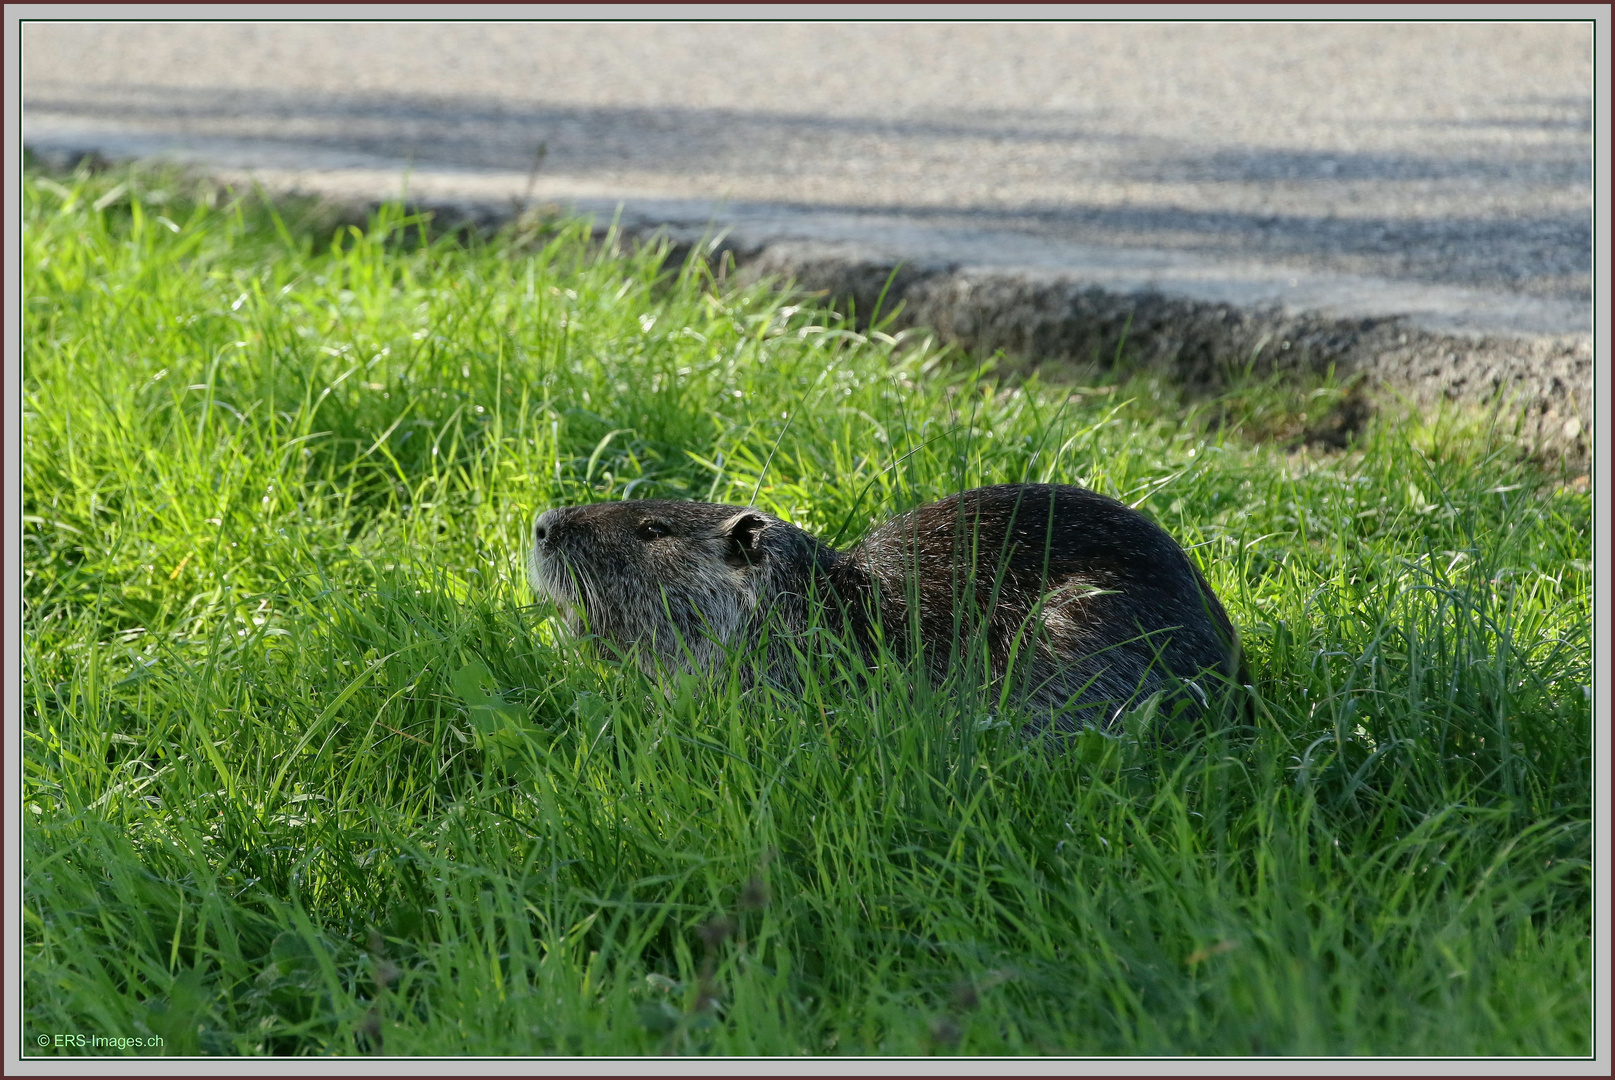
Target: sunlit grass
(307,772)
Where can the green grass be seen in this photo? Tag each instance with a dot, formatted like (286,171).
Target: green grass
(308,772)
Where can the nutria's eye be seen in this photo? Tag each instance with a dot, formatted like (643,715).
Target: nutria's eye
(652,530)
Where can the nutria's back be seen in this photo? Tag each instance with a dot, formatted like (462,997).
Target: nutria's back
(1095,603)
(1083,604)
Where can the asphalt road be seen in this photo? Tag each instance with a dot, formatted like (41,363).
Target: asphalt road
(1350,167)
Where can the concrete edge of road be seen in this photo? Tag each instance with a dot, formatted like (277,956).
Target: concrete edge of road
(1540,386)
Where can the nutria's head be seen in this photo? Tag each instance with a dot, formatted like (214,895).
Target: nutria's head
(656,579)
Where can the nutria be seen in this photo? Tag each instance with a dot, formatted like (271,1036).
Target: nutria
(1084,604)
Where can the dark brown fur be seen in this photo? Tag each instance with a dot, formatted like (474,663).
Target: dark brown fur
(1085,605)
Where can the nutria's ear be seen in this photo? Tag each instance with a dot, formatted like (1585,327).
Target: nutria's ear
(744,532)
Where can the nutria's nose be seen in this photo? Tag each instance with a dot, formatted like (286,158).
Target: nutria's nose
(545,525)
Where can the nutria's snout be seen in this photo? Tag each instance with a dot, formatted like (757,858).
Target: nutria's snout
(557,534)
(547,570)
(543,530)
(547,528)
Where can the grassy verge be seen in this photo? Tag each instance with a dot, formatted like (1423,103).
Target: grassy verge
(306,771)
